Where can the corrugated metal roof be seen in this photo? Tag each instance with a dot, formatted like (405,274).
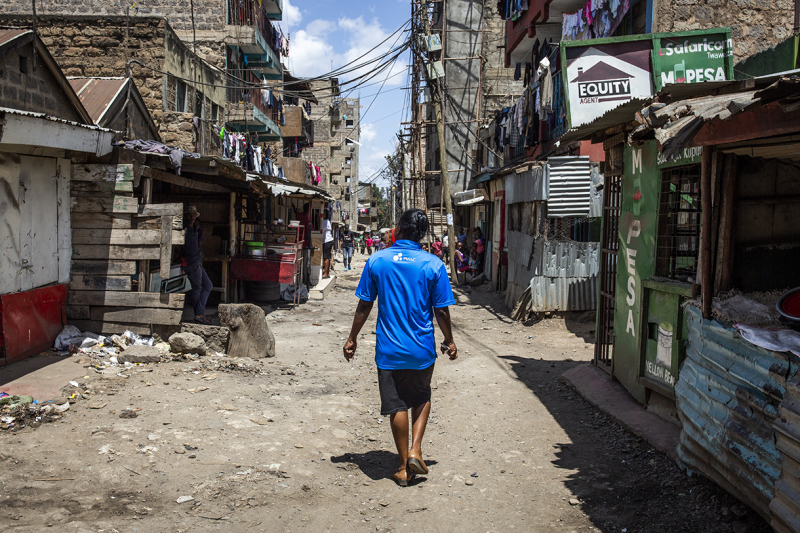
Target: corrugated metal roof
(785,506)
(97,94)
(562,294)
(727,396)
(6,36)
(570,183)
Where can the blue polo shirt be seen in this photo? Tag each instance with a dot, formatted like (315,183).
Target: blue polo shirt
(408,283)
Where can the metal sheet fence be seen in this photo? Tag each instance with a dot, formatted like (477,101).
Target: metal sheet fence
(727,396)
(785,506)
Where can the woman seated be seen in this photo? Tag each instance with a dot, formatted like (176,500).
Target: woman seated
(462,264)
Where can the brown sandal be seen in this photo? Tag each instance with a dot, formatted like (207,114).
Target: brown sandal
(416,464)
(402,481)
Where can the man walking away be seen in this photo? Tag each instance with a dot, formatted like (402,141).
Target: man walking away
(411,286)
(193,256)
(346,243)
(327,243)
(369,244)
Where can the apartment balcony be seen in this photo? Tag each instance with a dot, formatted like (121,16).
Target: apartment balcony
(248,111)
(273,9)
(536,23)
(295,169)
(298,124)
(250,31)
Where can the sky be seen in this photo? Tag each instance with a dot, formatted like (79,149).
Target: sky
(324,34)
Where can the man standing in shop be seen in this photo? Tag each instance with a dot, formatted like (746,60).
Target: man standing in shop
(411,287)
(192,256)
(346,243)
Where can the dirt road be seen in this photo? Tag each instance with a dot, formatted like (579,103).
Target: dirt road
(302,447)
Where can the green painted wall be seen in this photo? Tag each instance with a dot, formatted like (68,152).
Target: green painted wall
(638,228)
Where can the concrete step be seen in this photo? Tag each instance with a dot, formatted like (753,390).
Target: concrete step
(321,289)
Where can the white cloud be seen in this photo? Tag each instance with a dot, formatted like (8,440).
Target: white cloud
(310,55)
(368,133)
(291,16)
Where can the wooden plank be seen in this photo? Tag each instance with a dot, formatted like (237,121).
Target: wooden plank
(88,282)
(115,204)
(100,220)
(707,281)
(182,181)
(85,188)
(99,251)
(87,172)
(104,268)
(149,210)
(63,169)
(108,328)
(178,237)
(78,312)
(127,299)
(166,247)
(137,315)
(725,237)
(132,237)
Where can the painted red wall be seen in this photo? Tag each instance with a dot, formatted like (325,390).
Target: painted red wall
(30,321)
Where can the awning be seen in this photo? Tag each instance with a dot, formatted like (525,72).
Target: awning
(284,189)
(470,197)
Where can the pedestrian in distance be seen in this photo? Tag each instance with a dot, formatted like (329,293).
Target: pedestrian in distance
(411,287)
(436,247)
(327,244)
(346,243)
(369,244)
(192,262)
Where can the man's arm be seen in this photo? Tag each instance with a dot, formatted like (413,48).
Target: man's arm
(362,313)
(443,319)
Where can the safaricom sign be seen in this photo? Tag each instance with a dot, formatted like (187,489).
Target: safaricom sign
(705,60)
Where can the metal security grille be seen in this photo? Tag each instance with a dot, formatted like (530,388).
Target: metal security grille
(678,240)
(568,229)
(607,278)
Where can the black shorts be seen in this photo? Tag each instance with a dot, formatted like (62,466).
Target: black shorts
(326,250)
(403,389)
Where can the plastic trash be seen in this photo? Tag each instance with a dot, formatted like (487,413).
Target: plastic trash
(288,293)
(62,408)
(68,335)
(184,499)
(74,383)
(138,340)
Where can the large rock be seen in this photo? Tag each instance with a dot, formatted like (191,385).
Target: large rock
(187,343)
(140,354)
(216,337)
(250,333)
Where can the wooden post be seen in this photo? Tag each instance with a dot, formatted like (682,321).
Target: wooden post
(144,264)
(707,288)
(724,274)
(232,222)
(166,246)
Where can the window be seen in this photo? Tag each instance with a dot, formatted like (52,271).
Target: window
(348,160)
(347,179)
(180,97)
(348,142)
(198,104)
(678,239)
(214,111)
(349,122)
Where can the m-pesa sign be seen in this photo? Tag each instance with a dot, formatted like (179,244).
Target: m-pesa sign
(602,74)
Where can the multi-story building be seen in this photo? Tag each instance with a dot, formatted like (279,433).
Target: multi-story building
(476,86)
(236,41)
(367,208)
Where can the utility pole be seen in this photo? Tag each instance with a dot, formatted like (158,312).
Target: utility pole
(438,102)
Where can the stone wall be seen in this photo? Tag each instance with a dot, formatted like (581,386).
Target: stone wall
(209,15)
(90,46)
(27,84)
(756,25)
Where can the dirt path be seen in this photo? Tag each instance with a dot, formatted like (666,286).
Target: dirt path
(303,448)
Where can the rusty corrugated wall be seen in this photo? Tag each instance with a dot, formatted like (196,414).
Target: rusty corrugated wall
(728,395)
(785,506)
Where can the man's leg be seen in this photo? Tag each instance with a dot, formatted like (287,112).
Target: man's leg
(196,280)
(399,423)
(419,417)
(200,309)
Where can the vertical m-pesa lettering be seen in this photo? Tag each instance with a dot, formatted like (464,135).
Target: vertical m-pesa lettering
(634,229)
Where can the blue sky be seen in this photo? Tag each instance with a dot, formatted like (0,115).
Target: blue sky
(324,33)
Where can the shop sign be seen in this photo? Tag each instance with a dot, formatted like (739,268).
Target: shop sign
(602,74)
(693,59)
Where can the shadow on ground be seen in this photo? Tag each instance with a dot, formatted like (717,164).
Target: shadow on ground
(621,482)
(375,464)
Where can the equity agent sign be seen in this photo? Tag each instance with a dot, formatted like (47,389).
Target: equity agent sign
(603,74)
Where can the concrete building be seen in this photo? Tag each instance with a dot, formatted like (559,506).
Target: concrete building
(237,38)
(477,86)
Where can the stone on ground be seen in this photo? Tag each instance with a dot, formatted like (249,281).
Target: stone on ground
(215,337)
(250,335)
(140,354)
(187,343)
